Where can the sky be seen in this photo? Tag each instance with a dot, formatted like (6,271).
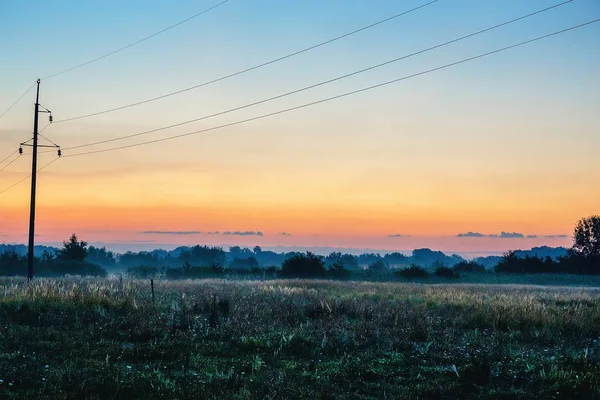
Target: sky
(495,154)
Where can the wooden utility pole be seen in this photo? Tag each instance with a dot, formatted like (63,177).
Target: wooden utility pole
(33,186)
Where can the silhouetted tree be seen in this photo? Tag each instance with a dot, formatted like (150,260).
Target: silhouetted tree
(244,263)
(511,262)
(73,250)
(307,265)
(378,266)
(396,259)
(12,263)
(204,255)
(268,258)
(587,236)
(100,256)
(338,271)
(348,261)
(446,272)
(131,259)
(414,271)
(368,258)
(47,256)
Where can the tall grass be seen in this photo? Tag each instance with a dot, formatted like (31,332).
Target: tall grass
(106,338)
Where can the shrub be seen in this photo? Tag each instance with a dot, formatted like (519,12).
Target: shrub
(469,266)
(414,271)
(447,272)
(377,266)
(244,263)
(12,263)
(338,271)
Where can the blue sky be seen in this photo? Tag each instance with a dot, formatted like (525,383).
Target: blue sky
(479,147)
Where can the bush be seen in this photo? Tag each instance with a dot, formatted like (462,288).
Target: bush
(446,272)
(512,263)
(11,263)
(244,263)
(338,271)
(412,272)
(306,265)
(377,266)
(57,267)
(469,266)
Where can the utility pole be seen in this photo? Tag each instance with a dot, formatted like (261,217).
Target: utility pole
(34,170)
(33,186)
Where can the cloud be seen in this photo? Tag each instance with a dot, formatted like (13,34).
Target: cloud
(172,232)
(532,236)
(557,236)
(284,234)
(502,235)
(513,235)
(135,241)
(213,233)
(396,235)
(246,233)
(472,235)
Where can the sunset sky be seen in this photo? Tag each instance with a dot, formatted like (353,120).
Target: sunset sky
(449,160)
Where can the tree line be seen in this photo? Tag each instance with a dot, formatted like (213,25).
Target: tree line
(76,258)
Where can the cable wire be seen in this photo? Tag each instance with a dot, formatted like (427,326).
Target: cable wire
(136,42)
(19,99)
(27,177)
(44,128)
(317,84)
(251,68)
(48,140)
(341,95)
(12,161)
(9,156)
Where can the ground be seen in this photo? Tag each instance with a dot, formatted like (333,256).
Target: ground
(72,338)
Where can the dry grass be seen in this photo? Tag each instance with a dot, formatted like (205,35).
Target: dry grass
(105,338)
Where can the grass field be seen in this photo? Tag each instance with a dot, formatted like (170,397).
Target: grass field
(107,339)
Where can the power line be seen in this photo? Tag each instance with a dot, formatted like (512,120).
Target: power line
(27,177)
(318,84)
(48,139)
(44,128)
(9,156)
(136,42)
(339,96)
(12,161)
(251,68)
(19,99)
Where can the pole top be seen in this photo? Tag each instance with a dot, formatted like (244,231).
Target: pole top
(38,81)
